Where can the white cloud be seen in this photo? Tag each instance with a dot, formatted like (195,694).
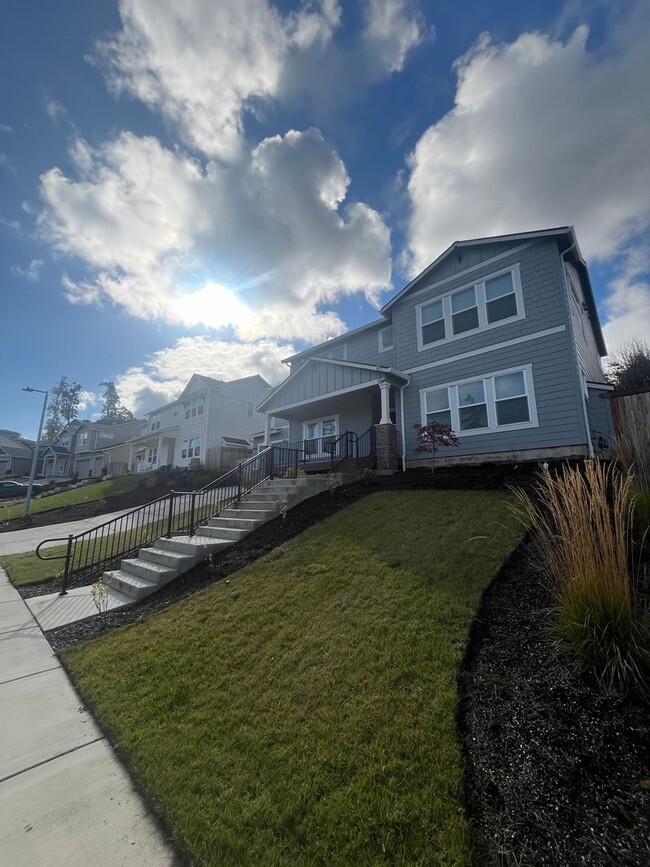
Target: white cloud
(5,127)
(164,374)
(53,108)
(203,64)
(32,273)
(628,303)
(261,246)
(543,133)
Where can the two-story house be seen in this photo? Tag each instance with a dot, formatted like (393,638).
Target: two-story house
(82,449)
(211,423)
(498,339)
(15,453)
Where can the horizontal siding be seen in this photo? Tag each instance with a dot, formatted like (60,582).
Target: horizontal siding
(543,296)
(583,334)
(559,412)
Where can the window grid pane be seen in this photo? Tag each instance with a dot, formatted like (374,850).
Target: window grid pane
(431,312)
(463,300)
(473,417)
(465,321)
(513,411)
(443,417)
(501,308)
(471,393)
(437,400)
(497,287)
(509,385)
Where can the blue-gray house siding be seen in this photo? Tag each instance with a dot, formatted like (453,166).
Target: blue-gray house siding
(552,338)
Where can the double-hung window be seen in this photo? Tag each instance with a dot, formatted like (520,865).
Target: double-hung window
(498,401)
(485,304)
(464,311)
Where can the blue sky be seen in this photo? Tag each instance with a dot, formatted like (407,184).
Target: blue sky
(211,186)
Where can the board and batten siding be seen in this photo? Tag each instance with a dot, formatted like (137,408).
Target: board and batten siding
(560,418)
(319,379)
(599,411)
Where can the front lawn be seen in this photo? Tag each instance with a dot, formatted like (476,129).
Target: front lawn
(72,497)
(303,712)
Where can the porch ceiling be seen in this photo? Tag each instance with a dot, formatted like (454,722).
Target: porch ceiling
(330,405)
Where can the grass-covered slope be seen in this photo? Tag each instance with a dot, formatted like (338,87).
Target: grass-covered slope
(303,711)
(73,497)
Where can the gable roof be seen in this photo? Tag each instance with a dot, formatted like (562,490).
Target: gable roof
(336,361)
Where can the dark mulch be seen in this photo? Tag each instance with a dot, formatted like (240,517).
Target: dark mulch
(554,769)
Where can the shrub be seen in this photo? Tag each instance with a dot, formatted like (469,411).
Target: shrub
(585,545)
(433,436)
(367,475)
(633,448)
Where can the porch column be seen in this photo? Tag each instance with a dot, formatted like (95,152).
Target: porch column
(384,386)
(129,470)
(159,452)
(267,430)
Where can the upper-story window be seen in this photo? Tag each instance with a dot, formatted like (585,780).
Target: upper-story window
(340,352)
(83,438)
(65,442)
(195,409)
(495,300)
(385,338)
(497,401)
(155,422)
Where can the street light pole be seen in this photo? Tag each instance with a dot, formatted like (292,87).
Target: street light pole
(28,498)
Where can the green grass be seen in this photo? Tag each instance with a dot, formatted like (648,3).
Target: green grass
(304,711)
(85,494)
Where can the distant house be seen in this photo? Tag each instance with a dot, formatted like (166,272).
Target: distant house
(82,449)
(15,454)
(498,339)
(209,424)
(278,435)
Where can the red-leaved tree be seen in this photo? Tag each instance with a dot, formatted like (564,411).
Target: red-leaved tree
(430,437)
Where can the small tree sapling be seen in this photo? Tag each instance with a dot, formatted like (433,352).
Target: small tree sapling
(430,437)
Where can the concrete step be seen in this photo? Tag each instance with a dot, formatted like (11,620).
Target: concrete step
(225,535)
(200,547)
(130,585)
(173,559)
(153,572)
(248,514)
(236,523)
(269,504)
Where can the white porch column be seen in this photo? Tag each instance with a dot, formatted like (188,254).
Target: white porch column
(384,386)
(159,452)
(267,430)
(129,470)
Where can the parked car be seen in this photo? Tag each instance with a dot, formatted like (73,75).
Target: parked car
(16,491)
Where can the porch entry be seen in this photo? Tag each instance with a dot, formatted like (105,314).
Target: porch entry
(319,436)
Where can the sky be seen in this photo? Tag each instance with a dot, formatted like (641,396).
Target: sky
(211,186)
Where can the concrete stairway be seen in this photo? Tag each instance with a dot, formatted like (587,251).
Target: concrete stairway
(169,558)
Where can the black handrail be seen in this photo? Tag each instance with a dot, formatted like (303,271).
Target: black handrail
(180,512)
(336,449)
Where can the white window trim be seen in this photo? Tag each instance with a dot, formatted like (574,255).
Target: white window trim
(483,324)
(318,421)
(490,399)
(379,340)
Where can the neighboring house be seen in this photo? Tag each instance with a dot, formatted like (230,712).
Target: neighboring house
(15,454)
(498,338)
(278,435)
(84,449)
(210,424)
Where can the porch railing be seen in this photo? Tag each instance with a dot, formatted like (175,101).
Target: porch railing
(334,450)
(92,552)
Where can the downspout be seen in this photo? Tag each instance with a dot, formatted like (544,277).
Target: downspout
(401,412)
(567,301)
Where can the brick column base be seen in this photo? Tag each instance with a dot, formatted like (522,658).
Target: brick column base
(386,444)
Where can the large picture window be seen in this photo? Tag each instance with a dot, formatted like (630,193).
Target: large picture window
(490,302)
(498,401)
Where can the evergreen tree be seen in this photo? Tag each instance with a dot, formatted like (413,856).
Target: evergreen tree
(630,366)
(112,410)
(62,408)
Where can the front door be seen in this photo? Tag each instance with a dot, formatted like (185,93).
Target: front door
(318,434)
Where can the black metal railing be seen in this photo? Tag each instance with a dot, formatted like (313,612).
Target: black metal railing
(92,552)
(334,450)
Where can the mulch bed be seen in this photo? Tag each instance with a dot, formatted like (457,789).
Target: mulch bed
(555,771)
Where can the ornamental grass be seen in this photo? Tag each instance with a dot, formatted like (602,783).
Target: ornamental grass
(580,519)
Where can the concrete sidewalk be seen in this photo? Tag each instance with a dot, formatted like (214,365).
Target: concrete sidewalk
(64,797)
(21,541)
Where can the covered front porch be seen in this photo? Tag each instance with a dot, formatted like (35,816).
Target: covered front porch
(340,406)
(150,452)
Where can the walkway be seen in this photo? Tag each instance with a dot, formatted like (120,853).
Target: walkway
(65,800)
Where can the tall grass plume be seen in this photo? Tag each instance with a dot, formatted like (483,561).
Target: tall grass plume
(580,519)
